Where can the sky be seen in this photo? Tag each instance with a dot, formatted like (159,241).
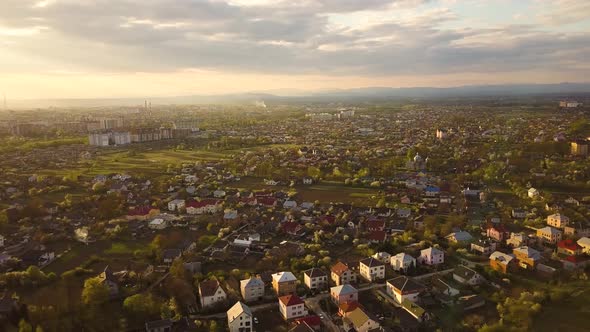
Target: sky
(157,48)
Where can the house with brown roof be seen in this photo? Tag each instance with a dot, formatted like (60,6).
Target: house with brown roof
(372,269)
(341,274)
(315,279)
(211,293)
(402,287)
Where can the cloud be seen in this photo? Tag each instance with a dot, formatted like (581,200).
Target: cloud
(373,37)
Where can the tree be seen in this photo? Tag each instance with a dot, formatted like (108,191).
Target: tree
(24,326)
(141,306)
(95,292)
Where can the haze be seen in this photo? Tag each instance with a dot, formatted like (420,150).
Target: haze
(129,48)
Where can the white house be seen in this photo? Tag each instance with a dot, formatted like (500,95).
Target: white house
(343,294)
(467,276)
(382,256)
(291,306)
(252,289)
(402,262)
(431,256)
(584,242)
(158,223)
(372,269)
(533,193)
(402,288)
(176,204)
(239,318)
(211,293)
(315,279)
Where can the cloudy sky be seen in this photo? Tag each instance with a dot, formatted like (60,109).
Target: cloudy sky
(136,48)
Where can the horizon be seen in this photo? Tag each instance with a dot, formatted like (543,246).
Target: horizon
(102,49)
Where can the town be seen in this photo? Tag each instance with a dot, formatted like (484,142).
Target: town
(422,215)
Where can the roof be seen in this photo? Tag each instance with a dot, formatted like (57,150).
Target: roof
(315,272)
(405,284)
(283,277)
(377,236)
(529,252)
(460,236)
(464,272)
(302,327)
(501,257)
(339,268)
(348,306)
(584,241)
(569,244)
(251,282)
(343,290)
(237,309)
(371,262)
(357,317)
(431,251)
(402,256)
(208,287)
(549,229)
(290,300)
(312,320)
(413,308)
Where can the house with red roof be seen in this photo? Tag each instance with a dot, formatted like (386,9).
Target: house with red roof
(313,321)
(292,228)
(377,236)
(204,206)
(142,213)
(266,201)
(291,307)
(375,225)
(569,247)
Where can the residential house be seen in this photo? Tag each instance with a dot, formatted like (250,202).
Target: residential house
(169,255)
(431,256)
(108,278)
(372,269)
(585,244)
(569,247)
(577,230)
(467,276)
(341,274)
(557,220)
(291,306)
(518,213)
(402,287)
(211,293)
(497,232)
(284,283)
(158,224)
(447,288)
(483,246)
(404,213)
(358,320)
(415,310)
(289,204)
(382,256)
(533,193)
(176,205)
(470,302)
(502,262)
(315,279)
(252,289)
(239,318)
(460,237)
(526,257)
(549,234)
(517,240)
(403,262)
(343,293)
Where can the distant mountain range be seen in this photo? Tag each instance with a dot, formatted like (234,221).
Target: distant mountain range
(341,95)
